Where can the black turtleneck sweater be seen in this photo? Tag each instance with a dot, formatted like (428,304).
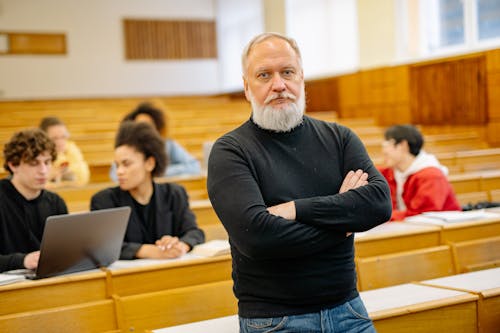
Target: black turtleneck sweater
(22,222)
(284,267)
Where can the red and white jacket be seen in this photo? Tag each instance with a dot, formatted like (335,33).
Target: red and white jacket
(421,188)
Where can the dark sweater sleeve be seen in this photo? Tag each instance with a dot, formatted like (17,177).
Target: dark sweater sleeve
(103,200)
(237,200)
(188,230)
(355,210)
(11,261)
(61,206)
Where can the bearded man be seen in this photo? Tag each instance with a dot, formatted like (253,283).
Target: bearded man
(290,190)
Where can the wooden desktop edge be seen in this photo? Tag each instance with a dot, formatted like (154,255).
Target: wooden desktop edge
(430,305)
(161,266)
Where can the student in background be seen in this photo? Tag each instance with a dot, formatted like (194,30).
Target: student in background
(417,180)
(290,190)
(24,202)
(161,224)
(70,166)
(180,161)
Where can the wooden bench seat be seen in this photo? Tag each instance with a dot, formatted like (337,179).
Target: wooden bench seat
(476,254)
(402,267)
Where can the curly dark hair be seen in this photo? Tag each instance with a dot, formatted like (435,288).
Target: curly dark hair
(156,114)
(143,138)
(25,146)
(408,133)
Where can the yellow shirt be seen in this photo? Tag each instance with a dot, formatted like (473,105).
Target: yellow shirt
(77,170)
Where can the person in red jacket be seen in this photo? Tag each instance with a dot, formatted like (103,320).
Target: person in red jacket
(417,180)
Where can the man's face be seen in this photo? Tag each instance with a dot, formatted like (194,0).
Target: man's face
(30,177)
(59,134)
(274,84)
(393,153)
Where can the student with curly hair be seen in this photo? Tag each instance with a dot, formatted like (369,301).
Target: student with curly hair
(24,202)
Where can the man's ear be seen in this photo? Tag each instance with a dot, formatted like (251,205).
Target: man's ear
(12,167)
(404,144)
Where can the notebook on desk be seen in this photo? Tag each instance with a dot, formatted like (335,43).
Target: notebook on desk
(81,241)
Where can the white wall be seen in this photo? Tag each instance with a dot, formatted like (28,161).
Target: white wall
(326,31)
(238,21)
(377,32)
(95,64)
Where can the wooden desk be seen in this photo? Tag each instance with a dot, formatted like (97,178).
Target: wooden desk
(85,302)
(169,275)
(395,237)
(229,324)
(53,292)
(98,316)
(416,308)
(485,284)
(176,306)
(467,230)
(404,308)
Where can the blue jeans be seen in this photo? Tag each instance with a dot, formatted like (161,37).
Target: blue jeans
(350,317)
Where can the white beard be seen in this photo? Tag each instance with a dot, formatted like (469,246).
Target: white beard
(279,119)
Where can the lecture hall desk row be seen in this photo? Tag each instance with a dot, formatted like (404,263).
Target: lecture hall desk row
(99,301)
(393,237)
(460,303)
(121,291)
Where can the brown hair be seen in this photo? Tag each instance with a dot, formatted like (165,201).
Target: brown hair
(47,122)
(25,146)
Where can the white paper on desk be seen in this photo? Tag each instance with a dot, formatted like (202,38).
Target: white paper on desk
(10,278)
(215,247)
(450,216)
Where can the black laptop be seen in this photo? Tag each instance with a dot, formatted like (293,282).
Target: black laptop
(81,241)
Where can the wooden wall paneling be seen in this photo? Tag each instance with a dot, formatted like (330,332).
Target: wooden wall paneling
(349,95)
(164,39)
(494,95)
(322,95)
(428,93)
(470,99)
(401,83)
(493,60)
(493,102)
(365,81)
(35,43)
(452,91)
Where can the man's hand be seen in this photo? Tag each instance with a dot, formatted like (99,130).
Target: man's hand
(31,260)
(354,180)
(285,210)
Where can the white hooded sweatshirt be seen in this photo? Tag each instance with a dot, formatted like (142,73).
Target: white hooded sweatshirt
(422,160)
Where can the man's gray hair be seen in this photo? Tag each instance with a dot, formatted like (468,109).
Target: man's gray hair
(262,37)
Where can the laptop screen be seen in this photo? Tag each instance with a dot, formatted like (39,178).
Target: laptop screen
(82,241)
